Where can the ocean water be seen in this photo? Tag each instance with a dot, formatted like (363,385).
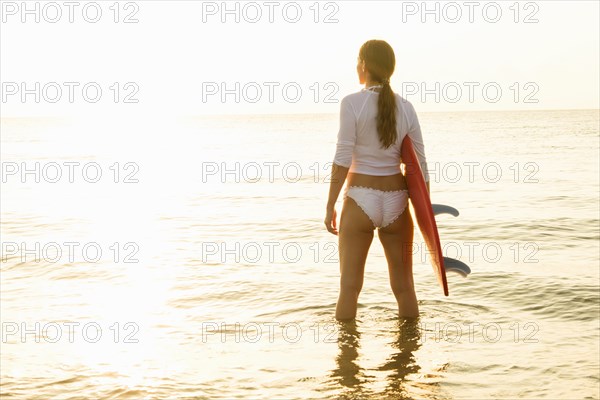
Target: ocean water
(187,258)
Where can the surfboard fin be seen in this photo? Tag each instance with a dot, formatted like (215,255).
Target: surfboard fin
(453,265)
(443,209)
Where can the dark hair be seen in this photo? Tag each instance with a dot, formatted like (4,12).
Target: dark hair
(380,61)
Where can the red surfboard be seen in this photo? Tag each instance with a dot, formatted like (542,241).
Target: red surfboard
(419,197)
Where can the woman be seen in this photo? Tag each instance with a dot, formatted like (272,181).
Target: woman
(373,123)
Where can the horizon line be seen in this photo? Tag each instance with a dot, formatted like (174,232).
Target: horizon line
(283,114)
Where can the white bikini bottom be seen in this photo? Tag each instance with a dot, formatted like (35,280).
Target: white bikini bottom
(382,207)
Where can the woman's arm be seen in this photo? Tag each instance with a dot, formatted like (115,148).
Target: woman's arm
(342,161)
(338,177)
(417,138)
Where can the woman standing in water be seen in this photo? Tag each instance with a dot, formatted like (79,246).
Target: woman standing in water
(373,123)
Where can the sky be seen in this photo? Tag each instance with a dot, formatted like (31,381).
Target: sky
(285,57)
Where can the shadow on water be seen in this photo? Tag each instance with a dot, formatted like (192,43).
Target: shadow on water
(348,373)
(402,362)
(352,380)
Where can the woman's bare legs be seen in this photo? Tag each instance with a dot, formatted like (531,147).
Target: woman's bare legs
(355,237)
(397,239)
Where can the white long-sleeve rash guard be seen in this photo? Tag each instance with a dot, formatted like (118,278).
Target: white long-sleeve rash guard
(358,146)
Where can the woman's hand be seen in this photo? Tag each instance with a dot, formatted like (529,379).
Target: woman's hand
(330,221)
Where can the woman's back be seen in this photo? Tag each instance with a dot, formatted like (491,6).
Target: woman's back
(359,146)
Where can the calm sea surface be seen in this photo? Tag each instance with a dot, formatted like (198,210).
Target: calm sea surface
(188,259)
